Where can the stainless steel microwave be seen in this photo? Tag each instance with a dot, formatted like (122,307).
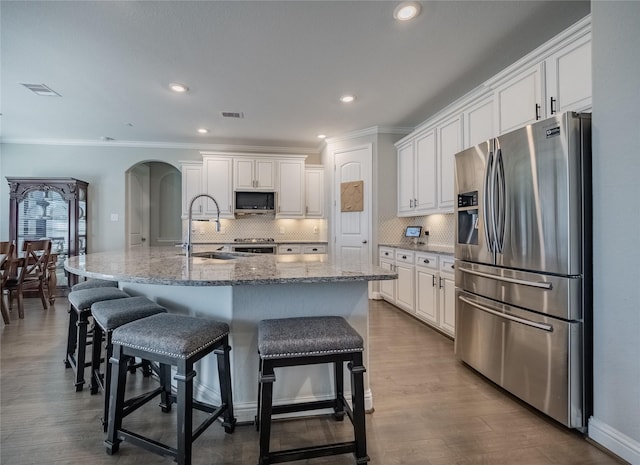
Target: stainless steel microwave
(254,203)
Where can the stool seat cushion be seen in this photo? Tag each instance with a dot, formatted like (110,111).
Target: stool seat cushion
(83,299)
(93,283)
(110,314)
(177,336)
(307,336)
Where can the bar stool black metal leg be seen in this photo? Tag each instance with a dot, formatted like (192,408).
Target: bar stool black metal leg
(165,384)
(117,363)
(184,378)
(267,378)
(357,397)
(72,337)
(224,376)
(257,419)
(96,352)
(83,322)
(338,407)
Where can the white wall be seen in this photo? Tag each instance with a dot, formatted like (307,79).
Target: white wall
(616,178)
(102,167)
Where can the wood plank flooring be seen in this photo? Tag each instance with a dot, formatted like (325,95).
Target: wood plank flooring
(429,408)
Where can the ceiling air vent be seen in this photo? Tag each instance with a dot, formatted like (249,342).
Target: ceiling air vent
(42,90)
(232,114)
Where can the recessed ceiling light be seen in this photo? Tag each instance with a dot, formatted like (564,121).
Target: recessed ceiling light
(177,87)
(347,98)
(406,11)
(322,136)
(203,130)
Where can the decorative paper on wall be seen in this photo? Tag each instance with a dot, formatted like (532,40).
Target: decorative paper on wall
(351,196)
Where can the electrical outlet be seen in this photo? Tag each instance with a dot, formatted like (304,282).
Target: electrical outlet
(315,230)
(114,217)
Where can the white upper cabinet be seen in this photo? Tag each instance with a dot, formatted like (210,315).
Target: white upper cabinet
(216,181)
(406,179)
(568,74)
(253,174)
(314,191)
(519,100)
(479,122)
(425,173)
(191,186)
(290,192)
(450,143)
(558,83)
(417,175)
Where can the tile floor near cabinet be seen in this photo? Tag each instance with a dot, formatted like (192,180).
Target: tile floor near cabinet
(429,408)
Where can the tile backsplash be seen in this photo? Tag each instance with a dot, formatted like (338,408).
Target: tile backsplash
(390,229)
(441,229)
(260,226)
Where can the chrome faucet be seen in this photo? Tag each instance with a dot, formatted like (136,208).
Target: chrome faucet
(187,245)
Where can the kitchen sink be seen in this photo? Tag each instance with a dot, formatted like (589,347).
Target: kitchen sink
(218,255)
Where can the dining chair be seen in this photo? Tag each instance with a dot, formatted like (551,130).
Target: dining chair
(29,271)
(6,254)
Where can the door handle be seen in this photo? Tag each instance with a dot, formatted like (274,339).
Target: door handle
(551,104)
(517,319)
(546,286)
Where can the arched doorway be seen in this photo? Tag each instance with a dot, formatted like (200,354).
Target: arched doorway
(154,206)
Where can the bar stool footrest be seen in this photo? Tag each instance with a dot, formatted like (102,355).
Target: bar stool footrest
(311,452)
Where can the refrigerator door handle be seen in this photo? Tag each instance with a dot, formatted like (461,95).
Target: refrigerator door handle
(546,286)
(500,201)
(488,203)
(524,321)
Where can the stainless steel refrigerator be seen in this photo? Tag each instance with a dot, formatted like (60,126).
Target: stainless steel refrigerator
(523,264)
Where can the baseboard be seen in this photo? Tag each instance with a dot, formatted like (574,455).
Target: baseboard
(613,440)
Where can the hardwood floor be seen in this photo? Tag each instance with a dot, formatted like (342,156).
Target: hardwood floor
(429,408)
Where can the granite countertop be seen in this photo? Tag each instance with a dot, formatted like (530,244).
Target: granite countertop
(169,266)
(421,247)
(275,242)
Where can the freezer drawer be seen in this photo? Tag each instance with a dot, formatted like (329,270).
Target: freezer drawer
(536,358)
(557,296)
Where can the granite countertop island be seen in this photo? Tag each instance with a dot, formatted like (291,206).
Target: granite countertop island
(421,247)
(241,290)
(170,266)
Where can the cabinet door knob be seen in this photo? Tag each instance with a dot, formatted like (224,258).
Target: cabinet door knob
(453,267)
(426,260)
(404,257)
(365,241)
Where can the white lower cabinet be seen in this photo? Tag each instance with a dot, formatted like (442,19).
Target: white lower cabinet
(388,287)
(405,290)
(447,297)
(425,286)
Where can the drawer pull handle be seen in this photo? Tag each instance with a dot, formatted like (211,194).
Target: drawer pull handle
(404,257)
(426,260)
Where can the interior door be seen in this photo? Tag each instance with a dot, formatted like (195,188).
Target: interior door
(138,211)
(352,228)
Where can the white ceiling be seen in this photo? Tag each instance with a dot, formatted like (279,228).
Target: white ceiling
(284,64)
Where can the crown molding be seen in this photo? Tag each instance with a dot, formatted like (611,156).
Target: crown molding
(165,145)
(374,130)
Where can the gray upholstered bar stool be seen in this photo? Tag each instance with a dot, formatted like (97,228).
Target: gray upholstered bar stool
(291,342)
(170,340)
(80,303)
(93,283)
(107,316)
